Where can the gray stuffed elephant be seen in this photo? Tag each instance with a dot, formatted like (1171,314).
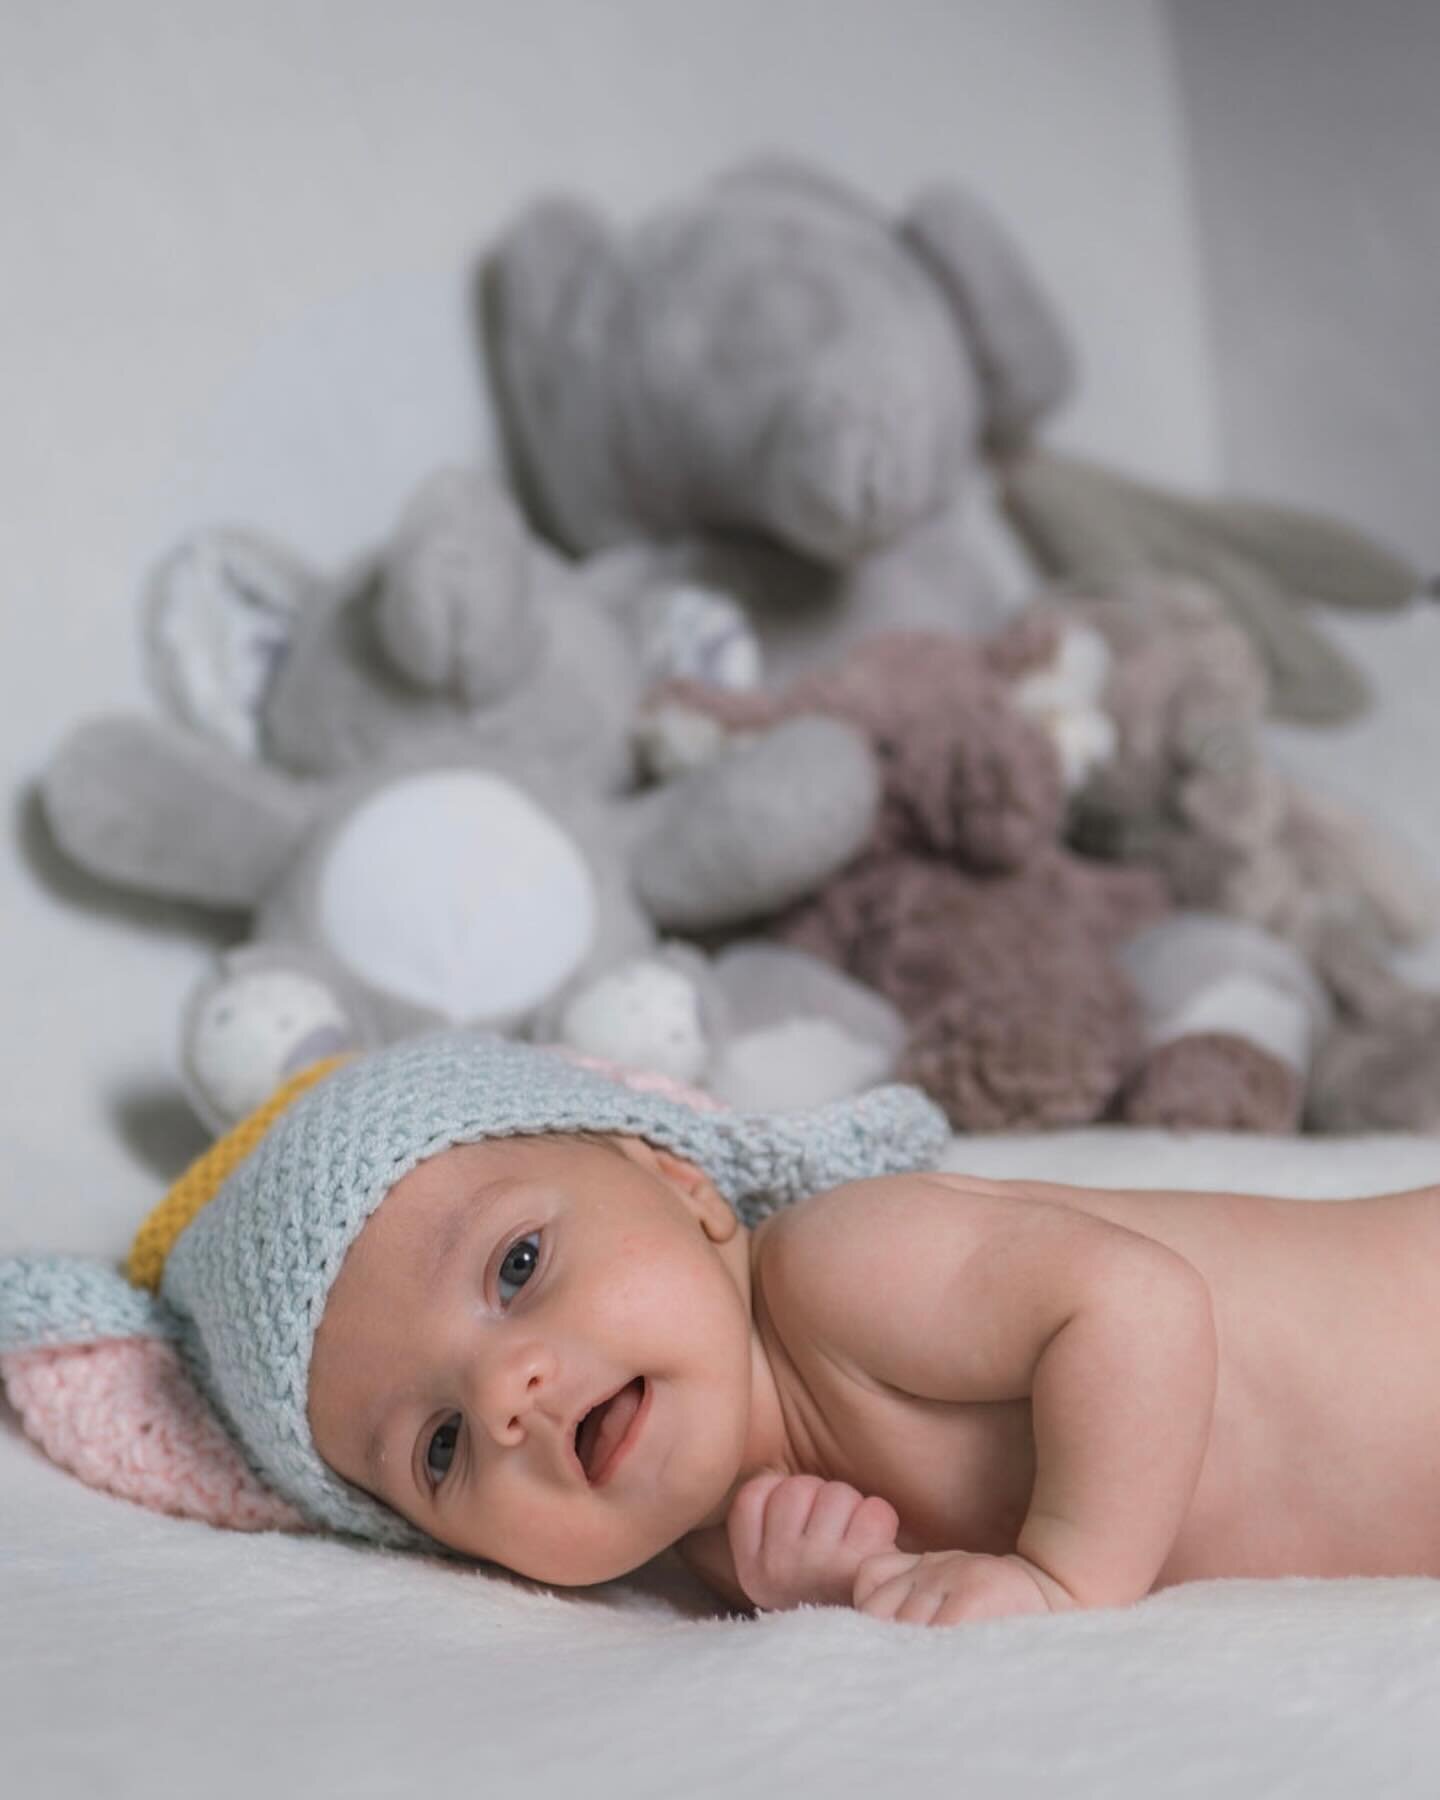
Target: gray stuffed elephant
(417,779)
(810,403)
(776,362)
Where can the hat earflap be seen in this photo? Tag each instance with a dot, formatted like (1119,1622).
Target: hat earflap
(90,1365)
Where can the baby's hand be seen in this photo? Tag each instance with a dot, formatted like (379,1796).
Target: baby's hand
(795,1539)
(951,1587)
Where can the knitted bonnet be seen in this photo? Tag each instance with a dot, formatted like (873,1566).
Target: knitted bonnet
(244,1284)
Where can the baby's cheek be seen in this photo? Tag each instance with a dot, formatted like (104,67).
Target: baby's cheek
(571,1554)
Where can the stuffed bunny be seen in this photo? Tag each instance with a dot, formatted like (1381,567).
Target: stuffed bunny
(417,780)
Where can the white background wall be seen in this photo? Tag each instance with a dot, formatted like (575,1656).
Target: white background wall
(1314,136)
(234,243)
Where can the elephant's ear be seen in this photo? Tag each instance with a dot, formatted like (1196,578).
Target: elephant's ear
(548,290)
(1021,353)
(220,612)
(89,1363)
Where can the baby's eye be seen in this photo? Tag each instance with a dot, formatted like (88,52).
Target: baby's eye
(519,1264)
(440,1451)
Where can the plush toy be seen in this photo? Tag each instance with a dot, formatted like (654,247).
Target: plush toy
(1090,527)
(461,624)
(787,387)
(1190,788)
(1379,1069)
(1001,949)
(808,401)
(1234,1021)
(440,823)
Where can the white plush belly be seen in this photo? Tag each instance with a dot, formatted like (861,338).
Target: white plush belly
(455,890)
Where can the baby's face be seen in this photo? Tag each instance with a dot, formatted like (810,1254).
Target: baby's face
(539,1351)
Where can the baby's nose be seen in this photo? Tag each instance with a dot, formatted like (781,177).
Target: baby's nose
(522,1381)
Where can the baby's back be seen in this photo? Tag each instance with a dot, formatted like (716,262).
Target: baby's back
(1322,1457)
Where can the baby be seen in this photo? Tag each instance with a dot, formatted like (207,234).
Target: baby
(932,1397)
(465,1294)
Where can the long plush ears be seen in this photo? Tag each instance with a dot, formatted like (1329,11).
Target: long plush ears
(90,1365)
(1085,524)
(159,810)
(1318,559)
(543,290)
(1014,334)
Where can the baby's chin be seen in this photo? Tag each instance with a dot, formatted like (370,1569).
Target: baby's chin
(575,1565)
(571,1571)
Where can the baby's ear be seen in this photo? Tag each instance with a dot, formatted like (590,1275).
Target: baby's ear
(714,1214)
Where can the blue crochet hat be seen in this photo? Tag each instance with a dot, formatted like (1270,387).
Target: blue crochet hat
(246,1281)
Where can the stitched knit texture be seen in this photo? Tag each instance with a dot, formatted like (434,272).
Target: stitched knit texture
(124,1417)
(201,1181)
(250,1275)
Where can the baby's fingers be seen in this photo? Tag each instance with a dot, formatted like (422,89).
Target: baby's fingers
(745,1521)
(789,1505)
(872,1526)
(883,1582)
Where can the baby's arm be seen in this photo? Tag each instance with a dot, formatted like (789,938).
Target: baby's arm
(946,1290)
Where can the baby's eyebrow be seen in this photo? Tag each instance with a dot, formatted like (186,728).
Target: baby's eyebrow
(463,1217)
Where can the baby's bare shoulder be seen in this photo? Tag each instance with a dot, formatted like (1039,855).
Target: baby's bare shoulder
(817,1259)
(896,1202)
(944,1286)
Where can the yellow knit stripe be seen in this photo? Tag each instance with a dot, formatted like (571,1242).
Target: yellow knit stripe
(202,1180)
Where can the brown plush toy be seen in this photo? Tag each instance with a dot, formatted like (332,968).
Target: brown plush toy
(995,942)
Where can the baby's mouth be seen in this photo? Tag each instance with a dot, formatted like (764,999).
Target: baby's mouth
(605,1427)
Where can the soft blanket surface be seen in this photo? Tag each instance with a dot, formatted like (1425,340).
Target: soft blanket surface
(144,1656)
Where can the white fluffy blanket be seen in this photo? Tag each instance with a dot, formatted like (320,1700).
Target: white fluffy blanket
(142,1656)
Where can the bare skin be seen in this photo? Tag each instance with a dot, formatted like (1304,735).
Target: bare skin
(933,1397)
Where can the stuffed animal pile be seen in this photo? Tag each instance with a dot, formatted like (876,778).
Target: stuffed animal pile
(424,805)
(755,774)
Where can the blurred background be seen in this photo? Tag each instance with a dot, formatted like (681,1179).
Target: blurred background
(236,242)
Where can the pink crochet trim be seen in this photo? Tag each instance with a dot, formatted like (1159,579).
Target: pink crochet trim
(644,1081)
(125,1417)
